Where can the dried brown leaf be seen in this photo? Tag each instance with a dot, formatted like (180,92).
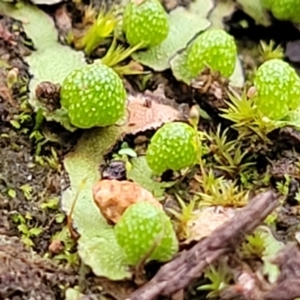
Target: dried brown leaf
(63,20)
(206,221)
(113,197)
(6,35)
(145,113)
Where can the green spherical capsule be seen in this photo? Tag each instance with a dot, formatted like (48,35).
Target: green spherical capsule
(145,230)
(278,89)
(93,96)
(172,147)
(214,48)
(287,10)
(145,21)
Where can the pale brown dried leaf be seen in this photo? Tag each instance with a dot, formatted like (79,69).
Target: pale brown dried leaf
(145,113)
(6,95)
(6,35)
(113,197)
(206,221)
(63,20)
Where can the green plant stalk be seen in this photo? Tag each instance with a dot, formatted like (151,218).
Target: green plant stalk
(194,120)
(200,160)
(194,116)
(128,70)
(69,216)
(183,217)
(117,54)
(101,29)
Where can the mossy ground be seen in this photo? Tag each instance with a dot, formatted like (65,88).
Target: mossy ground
(31,172)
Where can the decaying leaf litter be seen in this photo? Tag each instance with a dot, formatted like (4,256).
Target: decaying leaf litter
(235,211)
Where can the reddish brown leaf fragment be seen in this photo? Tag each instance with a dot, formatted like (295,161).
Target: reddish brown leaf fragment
(145,114)
(113,197)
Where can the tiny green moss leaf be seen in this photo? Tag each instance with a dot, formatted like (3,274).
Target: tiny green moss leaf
(272,247)
(73,294)
(180,69)
(143,175)
(221,10)
(61,116)
(104,255)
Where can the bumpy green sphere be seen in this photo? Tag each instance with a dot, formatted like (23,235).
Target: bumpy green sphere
(93,96)
(286,10)
(214,48)
(278,89)
(172,147)
(145,21)
(140,227)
